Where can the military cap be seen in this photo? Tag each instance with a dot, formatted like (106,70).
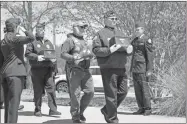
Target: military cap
(80,23)
(139,24)
(11,23)
(109,14)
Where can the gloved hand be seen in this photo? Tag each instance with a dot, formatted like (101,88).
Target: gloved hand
(77,59)
(41,58)
(53,60)
(127,48)
(114,47)
(86,54)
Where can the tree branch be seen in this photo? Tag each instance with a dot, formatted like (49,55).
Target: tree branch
(24,10)
(43,13)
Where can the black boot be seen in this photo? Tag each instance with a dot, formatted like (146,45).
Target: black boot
(20,107)
(38,113)
(139,112)
(82,118)
(54,112)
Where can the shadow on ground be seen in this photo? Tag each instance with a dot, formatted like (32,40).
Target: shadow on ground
(125,113)
(31,113)
(59,121)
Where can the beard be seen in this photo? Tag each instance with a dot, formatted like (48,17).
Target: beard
(110,23)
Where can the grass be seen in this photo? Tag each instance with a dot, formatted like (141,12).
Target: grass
(175,81)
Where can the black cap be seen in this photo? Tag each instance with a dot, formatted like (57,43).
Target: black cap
(109,14)
(15,21)
(11,23)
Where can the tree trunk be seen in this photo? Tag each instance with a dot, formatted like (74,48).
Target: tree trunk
(30,16)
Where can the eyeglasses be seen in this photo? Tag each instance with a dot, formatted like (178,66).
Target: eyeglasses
(113,18)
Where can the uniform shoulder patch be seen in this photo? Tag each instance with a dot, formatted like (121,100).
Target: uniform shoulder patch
(149,41)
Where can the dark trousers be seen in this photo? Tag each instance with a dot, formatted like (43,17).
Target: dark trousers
(142,93)
(80,80)
(115,88)
(2,95)
(12,87)
(43,78)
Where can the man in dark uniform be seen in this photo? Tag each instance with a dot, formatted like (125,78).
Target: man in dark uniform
(1,79)
(111,58)
(42,71)
(141,68)
(13,69)
(77,55)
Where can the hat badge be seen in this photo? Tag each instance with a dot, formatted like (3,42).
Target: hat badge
(47,46)
(38,45)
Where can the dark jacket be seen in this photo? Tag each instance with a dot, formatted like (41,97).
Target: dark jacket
(101,48)
(74,45)
(37,48)
(142,59)
(13,51)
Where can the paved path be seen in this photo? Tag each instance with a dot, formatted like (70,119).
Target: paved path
(92,114)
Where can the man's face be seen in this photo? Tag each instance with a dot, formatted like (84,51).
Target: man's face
(139,31)
(111,21)
(80,30)
(40,31)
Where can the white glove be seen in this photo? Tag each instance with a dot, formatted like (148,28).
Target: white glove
(21,31)
(53,60)
(41,58)
(114,47)
(129,49)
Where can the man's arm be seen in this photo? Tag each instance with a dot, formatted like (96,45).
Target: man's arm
(1,58)
(13,39)
(65,49)
(29,53)
(149,55)
(98,49)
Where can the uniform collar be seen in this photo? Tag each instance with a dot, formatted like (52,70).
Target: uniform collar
(141,36)
(78,37)
(110,28)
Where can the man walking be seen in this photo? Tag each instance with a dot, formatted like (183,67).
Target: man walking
(77,55)
(141,68)
(111,58)
(42,71)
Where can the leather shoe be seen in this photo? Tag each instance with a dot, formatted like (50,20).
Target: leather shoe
(139,112)
(2,107)
(54,113)
(77,121)
(20,107)
(105,115)
(38,114)
(82,118)
(147,112)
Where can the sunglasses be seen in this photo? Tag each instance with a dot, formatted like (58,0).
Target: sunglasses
(138,29)
(83,27)
(113,18)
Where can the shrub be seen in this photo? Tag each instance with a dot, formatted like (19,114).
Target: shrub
(174,80)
